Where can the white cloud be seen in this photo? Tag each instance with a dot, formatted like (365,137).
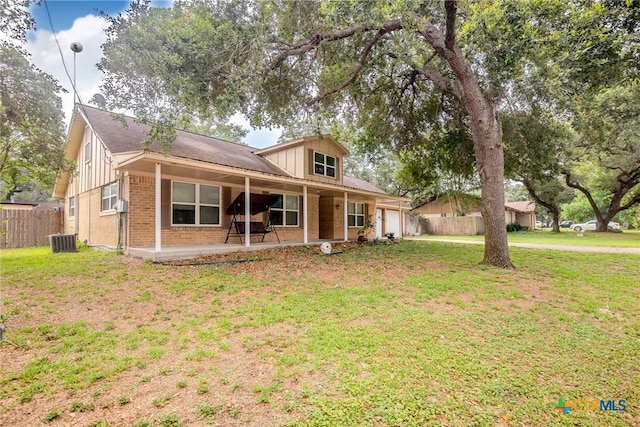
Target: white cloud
(88,31)
(257,138)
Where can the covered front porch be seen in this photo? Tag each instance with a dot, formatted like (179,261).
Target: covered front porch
(154,227)
(195,251)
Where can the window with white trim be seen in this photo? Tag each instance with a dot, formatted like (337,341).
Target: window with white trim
(72,207)
(109,196)
(324,164)
(355,214)
(285,211)
(87,145)
(194,204)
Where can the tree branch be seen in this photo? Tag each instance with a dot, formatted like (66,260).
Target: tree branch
(450,86)
(451,7)
(356,72)
(532,192)
(634,200)
(316,40)
(575,184)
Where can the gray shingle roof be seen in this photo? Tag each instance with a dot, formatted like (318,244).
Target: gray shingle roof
(120,139)
(523,207)
(360,184)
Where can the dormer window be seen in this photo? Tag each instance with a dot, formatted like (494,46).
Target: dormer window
(324,165)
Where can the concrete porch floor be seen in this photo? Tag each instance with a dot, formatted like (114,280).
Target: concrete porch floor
(194,251)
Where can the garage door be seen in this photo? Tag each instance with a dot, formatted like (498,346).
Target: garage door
(393,223)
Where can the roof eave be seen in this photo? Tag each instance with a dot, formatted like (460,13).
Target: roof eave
(299,141)
(162,158)
(73,144)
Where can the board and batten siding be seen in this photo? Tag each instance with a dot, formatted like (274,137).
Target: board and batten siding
(291,160)
(326,147)
(94,170)
(298,159)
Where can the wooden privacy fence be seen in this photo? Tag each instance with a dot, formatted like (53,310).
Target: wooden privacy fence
(22,228)
(450,226)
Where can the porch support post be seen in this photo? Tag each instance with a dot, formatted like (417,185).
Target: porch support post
(247,212)
(158,208)
(402,218)
(375,218)
(346,217)
(305,215)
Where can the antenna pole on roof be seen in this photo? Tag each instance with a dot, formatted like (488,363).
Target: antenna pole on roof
(76,48)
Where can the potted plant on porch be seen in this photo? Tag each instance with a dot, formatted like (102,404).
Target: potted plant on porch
(366,229)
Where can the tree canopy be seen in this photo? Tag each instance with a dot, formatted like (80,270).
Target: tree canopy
(605,162)
(31,119)
(398,71)
(429,80)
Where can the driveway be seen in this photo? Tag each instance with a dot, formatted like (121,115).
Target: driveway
(570,248)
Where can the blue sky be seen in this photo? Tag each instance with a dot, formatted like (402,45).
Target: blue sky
(64,12)
(79,21)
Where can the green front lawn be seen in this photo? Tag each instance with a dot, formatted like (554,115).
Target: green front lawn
(626,238)
(412,334)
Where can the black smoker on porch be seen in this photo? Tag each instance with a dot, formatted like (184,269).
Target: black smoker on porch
(258,203)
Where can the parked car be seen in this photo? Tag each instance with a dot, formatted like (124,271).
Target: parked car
(566,224)
(592,225)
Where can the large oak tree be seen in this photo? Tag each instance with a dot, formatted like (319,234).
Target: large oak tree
(388,67)
(605,162)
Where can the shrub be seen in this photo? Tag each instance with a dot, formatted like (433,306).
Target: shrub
(514,226)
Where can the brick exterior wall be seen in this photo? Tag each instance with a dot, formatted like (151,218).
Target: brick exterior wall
(325,220)
(140,193)
(332,219)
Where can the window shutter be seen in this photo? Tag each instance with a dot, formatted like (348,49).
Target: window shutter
(165,203)
(310,162)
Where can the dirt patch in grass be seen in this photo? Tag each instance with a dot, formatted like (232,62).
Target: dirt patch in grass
(236,344)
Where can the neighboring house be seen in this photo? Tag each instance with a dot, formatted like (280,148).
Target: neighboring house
(447,206)
(523,213)
(444,207)
(18,206)
(28,206)
(123,196)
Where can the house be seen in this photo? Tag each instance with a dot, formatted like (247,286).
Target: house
(455,204)
(29,206)
(460,206)
(523,213)
(147,201)
(18,206)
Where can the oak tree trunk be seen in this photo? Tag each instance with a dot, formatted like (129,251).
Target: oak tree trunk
(487,135)
(487,144)
(555,221)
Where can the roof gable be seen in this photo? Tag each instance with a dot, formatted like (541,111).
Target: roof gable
(303,141)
